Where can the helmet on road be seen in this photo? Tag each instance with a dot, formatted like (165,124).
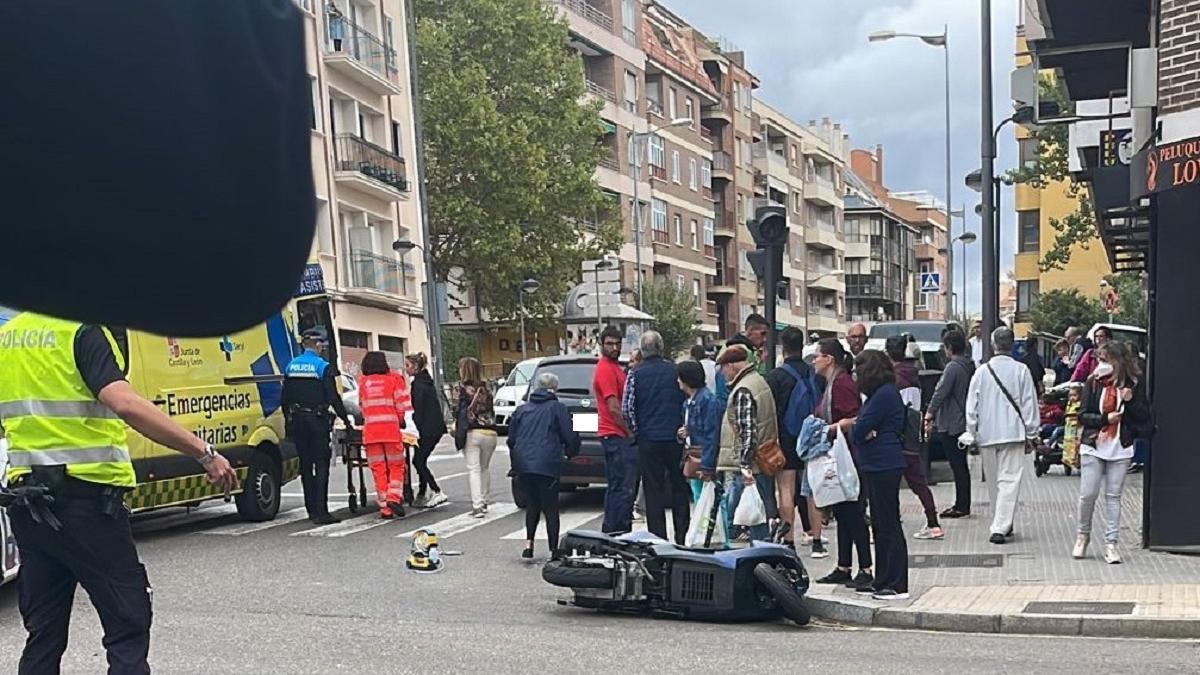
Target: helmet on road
(423,555)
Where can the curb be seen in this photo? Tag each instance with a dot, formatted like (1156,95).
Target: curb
(860,613)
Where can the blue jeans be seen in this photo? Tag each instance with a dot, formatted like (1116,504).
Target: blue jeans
(621,472)
(733,495)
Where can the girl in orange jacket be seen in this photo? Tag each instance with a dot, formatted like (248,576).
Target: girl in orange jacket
(383,397)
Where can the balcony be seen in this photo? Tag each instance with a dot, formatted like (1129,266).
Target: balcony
(658,172)
(610,162)
(661,237)
(373,275)
(369,168)
(600,91)
(722,166)
(824,320)
(706,134)
(710,308)
(592,14)
(710,251)
(359,55)
(724,225)
(821,234)
(824,277)
(925,251)
(722,283)
(821,190)
(718,112)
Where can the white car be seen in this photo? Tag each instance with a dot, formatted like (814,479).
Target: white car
(9,563)
(512,391)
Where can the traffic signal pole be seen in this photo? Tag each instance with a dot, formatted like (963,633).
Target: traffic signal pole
(769,230)
(770,301)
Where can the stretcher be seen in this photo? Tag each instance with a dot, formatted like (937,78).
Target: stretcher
(348,445)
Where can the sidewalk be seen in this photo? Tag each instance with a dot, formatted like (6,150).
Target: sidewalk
(964,583)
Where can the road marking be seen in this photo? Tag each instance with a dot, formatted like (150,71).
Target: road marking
(347,527)
(458,455)
(465,522)
(194,516)
(566,522)
(238,529)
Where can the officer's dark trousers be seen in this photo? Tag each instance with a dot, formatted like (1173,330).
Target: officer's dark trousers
(311,435)
(93,550)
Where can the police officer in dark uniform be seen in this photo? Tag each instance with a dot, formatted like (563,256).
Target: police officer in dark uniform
(65,404)
(309,391)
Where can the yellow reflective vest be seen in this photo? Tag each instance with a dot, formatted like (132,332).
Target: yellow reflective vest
(49,415)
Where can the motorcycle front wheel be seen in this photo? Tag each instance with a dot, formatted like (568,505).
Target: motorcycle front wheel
(784,592)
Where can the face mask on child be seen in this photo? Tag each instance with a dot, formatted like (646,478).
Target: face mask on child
(1103,369)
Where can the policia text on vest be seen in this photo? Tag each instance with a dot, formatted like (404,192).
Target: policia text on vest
(65,403)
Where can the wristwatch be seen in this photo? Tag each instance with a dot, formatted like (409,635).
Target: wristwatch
(210,453)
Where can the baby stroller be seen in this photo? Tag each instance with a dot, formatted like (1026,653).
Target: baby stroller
(1050,446)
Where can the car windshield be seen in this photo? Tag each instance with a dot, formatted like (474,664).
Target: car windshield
(923,332)
(520,375)
(573,377)
(1135,338)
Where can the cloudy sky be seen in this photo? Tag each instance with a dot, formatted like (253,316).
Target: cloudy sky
(813,60)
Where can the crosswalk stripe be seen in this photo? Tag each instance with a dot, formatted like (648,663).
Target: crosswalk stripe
(194,516)
(465,522)
(238,529)
(567,521)
(347,527)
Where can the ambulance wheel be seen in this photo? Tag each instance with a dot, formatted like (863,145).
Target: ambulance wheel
(260,496)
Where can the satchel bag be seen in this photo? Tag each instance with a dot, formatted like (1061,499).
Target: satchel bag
(691,462)
(769,457)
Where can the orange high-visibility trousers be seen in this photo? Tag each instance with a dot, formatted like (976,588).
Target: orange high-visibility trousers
(387,466)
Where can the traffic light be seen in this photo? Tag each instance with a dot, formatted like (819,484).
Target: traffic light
(769,226)
(770,233)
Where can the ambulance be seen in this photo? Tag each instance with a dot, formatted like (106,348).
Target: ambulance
(225,389)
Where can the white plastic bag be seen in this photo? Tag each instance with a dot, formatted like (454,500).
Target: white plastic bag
(750,509)
(702,519)
(833,476)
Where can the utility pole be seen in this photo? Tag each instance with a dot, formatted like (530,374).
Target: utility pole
(991,283)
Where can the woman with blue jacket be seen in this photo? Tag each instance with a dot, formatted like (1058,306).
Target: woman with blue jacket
(540,437)
(878,433)
(702,421)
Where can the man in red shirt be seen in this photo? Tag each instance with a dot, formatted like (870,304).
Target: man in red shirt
(620,456)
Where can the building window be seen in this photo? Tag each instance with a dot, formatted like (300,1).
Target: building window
(396,139)
(710,241)
(678,222)
(696,293)
(689,111)
(391,343)
(658,219)
(658,154)
(694,231)
(354,339)
(629,21)
(706,173)
(795,161)
(675,167)
(631,92)
(798,202)
(737,95)
(1027,149)
(316,104)
(741,208)
(1027,294)
(1028,231)
(923,299)
(680,282)
(692,174)
(672,103)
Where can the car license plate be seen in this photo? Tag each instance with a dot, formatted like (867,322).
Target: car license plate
(584,423)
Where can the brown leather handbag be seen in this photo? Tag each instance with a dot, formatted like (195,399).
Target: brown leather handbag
(691,462)
(769,457)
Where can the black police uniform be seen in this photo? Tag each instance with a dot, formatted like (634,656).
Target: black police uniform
(94,548)
(309,390)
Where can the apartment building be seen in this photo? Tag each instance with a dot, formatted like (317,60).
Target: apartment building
(926,215)
(879,246)
(362,133)
(800,168)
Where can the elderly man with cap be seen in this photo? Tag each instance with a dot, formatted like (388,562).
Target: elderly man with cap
(309,391)
(749,422)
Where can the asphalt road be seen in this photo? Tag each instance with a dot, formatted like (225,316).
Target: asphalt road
(288,598)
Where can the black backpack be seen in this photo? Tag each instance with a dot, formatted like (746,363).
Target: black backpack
(911,437)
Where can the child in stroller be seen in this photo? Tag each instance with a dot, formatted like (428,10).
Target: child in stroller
(1058,409)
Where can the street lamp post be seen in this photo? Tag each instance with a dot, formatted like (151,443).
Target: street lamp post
(964,239)
(635,141)
(527,286)
(942,41)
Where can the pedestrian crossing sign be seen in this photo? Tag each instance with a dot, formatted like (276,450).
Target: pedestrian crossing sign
(931,282)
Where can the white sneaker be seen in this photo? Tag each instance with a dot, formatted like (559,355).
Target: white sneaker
(929,533)
(639,517)
(479,512)
(436,499)
(818,550)
(1081,545)
(1111,555)
(805,539)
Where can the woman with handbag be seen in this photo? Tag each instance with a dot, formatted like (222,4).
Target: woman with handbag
(1113,414)
(701,426)
(878,434)
(475,431)
(840,404)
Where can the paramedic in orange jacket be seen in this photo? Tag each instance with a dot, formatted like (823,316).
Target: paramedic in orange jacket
(383,397)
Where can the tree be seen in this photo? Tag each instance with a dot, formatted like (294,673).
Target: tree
(1132,308)
(510,150)
(1079,227)
(455,345)
(674,311)
(1055,311)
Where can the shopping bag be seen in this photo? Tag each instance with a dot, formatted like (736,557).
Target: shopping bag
(706,517)
(822,472)
(846,469)
(750,509)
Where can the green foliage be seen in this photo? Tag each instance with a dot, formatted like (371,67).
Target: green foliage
(1056,310)
(455,345)
(674,312)
(1079,227)
(510,150)
(1132,309)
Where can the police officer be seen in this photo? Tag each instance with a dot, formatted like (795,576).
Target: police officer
(64,404)
(309,390)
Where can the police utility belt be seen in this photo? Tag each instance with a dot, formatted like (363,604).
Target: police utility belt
(311,412)
(38,490)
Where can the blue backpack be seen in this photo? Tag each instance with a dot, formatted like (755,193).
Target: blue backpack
(801,402)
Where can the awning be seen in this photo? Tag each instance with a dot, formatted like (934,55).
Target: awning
(609,127)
